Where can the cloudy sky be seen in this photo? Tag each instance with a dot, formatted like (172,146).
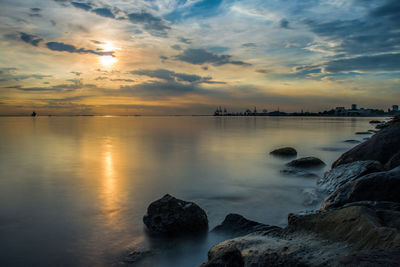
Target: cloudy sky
(190,56)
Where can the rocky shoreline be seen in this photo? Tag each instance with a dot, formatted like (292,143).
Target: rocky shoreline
(358,224)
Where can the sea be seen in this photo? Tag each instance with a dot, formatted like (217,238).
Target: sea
(73,190)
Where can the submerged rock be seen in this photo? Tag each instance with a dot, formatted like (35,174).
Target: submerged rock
(363,133)
(378,186)
(345,173)
(172,216)
(375,121)
(284,152)
(237,225)
(380,147)
(307,162)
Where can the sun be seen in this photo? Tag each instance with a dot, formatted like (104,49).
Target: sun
(107,61)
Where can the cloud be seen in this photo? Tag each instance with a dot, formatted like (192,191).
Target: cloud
(104,12)
(383,62)
(154,25)
(171,76)
(284,23)
(84,6)
(62,47)
(30,39)
(9,74)
(184,40)
(176,47)
(249,45)
(202,56)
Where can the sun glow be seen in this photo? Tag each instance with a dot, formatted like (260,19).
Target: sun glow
(107,61)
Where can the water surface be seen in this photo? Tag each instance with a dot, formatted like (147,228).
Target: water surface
(73,190)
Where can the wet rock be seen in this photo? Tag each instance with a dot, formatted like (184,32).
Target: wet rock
(393,162)
(371,258)
(345,173)
(380,147)
(224,257)
(137,255)
(319,238)
(172,216)
(375,121)
(236,225)
(382,125)
(284,152)
(378,186)
(351,141)
(307,162)
(360,133)
(298,173)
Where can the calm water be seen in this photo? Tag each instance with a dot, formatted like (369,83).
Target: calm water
(73,190)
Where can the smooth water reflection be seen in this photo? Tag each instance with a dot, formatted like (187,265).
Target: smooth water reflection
(73,190)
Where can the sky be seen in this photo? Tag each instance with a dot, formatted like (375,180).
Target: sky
(158,57)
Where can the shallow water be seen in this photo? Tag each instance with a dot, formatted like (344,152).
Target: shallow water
(73,190)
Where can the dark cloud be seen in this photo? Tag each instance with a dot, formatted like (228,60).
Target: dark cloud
(62,47)
(154,25)
(163,58)
(176,47)
(202,56)
(75,84)
(97,42)
(84,6)
(377,32)
(249,45)
(284,23)
(263,71)
(77,73)
(104,12)
(35,9)
(122,80)
(9,74)
(383,62)
(184,40)
(172,76)
(30,39)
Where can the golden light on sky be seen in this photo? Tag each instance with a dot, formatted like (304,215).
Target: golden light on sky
(107,61)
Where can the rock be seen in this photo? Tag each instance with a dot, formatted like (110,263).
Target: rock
(307,162)
(378,186)
(237,225)
(381,147)
(224,257)
(363,132)
(299,173)
(320,238)
(382,125)
(284,152)
(393,161)
(136,256)
(374,121)
(345,173)
(371,258)
(358,226)
(352,141)
(172,216)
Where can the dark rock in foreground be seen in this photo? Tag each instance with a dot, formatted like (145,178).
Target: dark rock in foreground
(345,173)
(237,225)
(379,186)
(284,152)
(381,147)
(171,216)
(307,162)
(325,238)
(224,257)
(393,161)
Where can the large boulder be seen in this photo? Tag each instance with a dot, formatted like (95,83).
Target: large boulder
(349,172)
(306,162)
(224,257)
(236,225)
(318,239)
(379,186)
(172,216)
(380,147)
(393,161)
(284,152)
